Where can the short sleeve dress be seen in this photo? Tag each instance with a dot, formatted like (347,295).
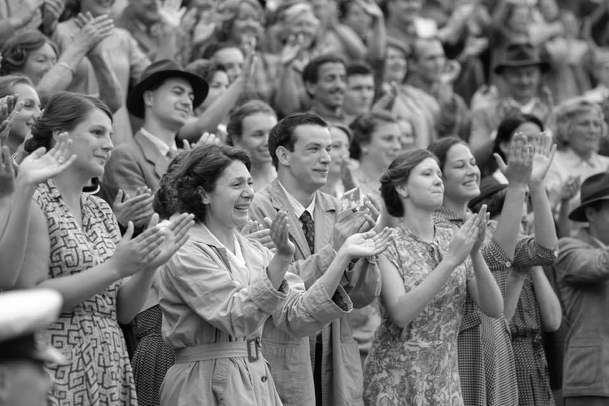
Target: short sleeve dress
(417,365)
(98,372)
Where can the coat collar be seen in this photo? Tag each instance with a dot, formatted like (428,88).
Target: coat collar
(152,154)
(325,207)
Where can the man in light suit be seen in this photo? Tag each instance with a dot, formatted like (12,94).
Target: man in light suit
(164,98)
(299,146)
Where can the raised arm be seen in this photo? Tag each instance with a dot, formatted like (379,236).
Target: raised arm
(403,307)
(24,13)
(483,287)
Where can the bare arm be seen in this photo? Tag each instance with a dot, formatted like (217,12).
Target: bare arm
(110,90)
(514,285)
(484,289)
(549,305)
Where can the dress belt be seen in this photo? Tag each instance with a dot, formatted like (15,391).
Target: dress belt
(229,349)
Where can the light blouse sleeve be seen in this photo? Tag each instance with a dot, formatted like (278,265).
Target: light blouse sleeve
(205,285)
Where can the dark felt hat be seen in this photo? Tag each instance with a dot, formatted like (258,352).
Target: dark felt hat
(154,75)
(594,189)
(516,55)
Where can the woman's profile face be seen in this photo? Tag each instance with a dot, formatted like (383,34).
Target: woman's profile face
(585,132)
(39,62)
(228,205)
(425,188)
(26,118)
(92,143)
(461,174)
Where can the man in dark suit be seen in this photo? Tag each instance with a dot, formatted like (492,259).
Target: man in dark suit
(164,99)
(299,146)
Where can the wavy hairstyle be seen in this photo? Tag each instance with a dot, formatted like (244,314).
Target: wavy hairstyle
(364,126)
(196,171)
(17,49)
(567,111)
(397,174)
(63,112)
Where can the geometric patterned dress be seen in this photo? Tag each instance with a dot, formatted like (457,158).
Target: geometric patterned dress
(98,372)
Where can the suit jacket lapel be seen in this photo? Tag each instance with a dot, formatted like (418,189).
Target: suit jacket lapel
(152,155)
(280,201)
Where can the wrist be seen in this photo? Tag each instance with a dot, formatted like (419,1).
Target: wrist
(285,256)
(517,185)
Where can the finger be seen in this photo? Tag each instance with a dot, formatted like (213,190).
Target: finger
(500,163)
(154,220)
(119,198)
(267,222)
(186,145)
(129,232)
(140,200)
(38,153)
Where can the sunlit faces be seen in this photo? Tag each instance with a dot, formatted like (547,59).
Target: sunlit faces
(330,87)
(39,62)
(585,132)
(247,22)
(171,102)
(395,65)
(431,60)
(385,144)
(309,162)
(92,143)
(217,85)
(424,187)
(97,7)
(522,82)
(228,204)
(26,118)
(461,174)
(340,149)
(232,59)
(359,94)
(24,383)
(255,136)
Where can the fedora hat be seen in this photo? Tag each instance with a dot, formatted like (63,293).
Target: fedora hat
(517,55)
(594,189)
(154,75)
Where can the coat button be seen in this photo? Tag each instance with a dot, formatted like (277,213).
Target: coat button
(263,379)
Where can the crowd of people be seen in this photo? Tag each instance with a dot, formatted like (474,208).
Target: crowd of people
(304,202)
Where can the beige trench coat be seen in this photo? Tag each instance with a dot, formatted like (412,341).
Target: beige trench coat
(209,297)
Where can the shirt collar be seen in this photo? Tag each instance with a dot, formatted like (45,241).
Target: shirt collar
(160,145)
(296,205)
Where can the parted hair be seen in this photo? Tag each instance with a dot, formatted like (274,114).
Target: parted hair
(63,112)
(234,128)
(17,49)
(441,147)
(397,174)
(364,126)
(197,170)
(283,132)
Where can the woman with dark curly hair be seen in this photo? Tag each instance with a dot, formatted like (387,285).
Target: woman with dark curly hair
(221,290)
(102,277)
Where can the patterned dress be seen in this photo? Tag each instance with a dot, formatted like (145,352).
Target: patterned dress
(417,365)
(98,372)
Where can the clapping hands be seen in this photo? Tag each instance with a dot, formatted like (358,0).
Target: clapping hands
(367,244)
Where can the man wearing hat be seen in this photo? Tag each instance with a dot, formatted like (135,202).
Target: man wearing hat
(23,380)
(582,275)
(164,99)
(520,70)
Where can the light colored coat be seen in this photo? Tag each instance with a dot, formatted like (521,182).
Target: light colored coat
(342,378)
(209,297)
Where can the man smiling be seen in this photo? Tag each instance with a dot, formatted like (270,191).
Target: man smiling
(325,79)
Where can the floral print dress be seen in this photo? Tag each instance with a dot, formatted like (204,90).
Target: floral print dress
(417,365)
